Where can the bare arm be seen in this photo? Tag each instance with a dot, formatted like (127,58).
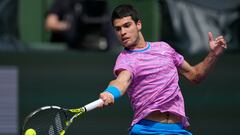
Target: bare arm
(53,23)
(121,82)
(198,72)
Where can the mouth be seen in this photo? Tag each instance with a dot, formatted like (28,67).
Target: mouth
(124,40)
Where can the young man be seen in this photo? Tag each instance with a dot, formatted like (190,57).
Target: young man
(148,72)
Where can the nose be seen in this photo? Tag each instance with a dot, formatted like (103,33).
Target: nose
(123,31)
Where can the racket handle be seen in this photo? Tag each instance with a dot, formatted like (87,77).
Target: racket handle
(93,105)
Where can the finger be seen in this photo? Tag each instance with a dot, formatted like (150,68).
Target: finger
(106,103)
(210,36)
(102,96)
(222,43)
(224,46)
(219,38)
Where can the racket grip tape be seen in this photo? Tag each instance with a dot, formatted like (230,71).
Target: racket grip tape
(93,105)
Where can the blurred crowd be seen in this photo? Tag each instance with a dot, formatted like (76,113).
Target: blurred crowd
(85,24)
(82,24)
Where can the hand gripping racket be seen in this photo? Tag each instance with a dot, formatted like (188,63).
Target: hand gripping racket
(54,120)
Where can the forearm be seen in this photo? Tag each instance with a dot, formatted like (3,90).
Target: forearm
(116,88)
(217,48)
(204,68)
(114,91)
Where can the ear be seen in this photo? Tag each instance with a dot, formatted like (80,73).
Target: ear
(139,24)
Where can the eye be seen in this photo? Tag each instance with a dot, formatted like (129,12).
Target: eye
(117,28)
(127,25)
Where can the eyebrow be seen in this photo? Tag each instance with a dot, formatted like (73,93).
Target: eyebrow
(127,23)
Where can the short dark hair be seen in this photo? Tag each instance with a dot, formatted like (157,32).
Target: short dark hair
(125,10)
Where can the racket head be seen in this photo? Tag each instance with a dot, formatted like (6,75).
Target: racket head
(54,120)
(48,120)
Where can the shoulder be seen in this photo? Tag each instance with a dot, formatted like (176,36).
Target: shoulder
(164,46)
(124,56)
(160,44)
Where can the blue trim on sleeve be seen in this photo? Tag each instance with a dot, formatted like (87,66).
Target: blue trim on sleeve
(114,91)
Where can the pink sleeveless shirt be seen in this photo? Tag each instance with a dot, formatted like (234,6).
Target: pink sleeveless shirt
(155,79)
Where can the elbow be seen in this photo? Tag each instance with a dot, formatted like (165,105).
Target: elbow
(195,76)
(198,78)
(196,81)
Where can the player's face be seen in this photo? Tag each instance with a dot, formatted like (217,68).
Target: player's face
(127,31)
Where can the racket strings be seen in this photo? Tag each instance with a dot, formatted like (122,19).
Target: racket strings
(47,122)
(58,123)
(51,131)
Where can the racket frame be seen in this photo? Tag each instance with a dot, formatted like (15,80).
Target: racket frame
(77,112)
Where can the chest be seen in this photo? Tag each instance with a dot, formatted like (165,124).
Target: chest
(154,64)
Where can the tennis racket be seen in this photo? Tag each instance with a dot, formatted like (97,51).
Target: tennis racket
(54,120)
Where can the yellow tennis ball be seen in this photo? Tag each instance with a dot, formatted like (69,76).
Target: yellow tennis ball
(30,131)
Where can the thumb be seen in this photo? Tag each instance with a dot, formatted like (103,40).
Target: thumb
(210,36)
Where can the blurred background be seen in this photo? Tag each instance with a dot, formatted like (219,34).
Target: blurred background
(37,69)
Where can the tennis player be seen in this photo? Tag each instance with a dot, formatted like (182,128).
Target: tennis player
(149,73)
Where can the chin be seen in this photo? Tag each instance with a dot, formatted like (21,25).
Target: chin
(127,45)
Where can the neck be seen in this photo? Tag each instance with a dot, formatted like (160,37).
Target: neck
(141,43)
